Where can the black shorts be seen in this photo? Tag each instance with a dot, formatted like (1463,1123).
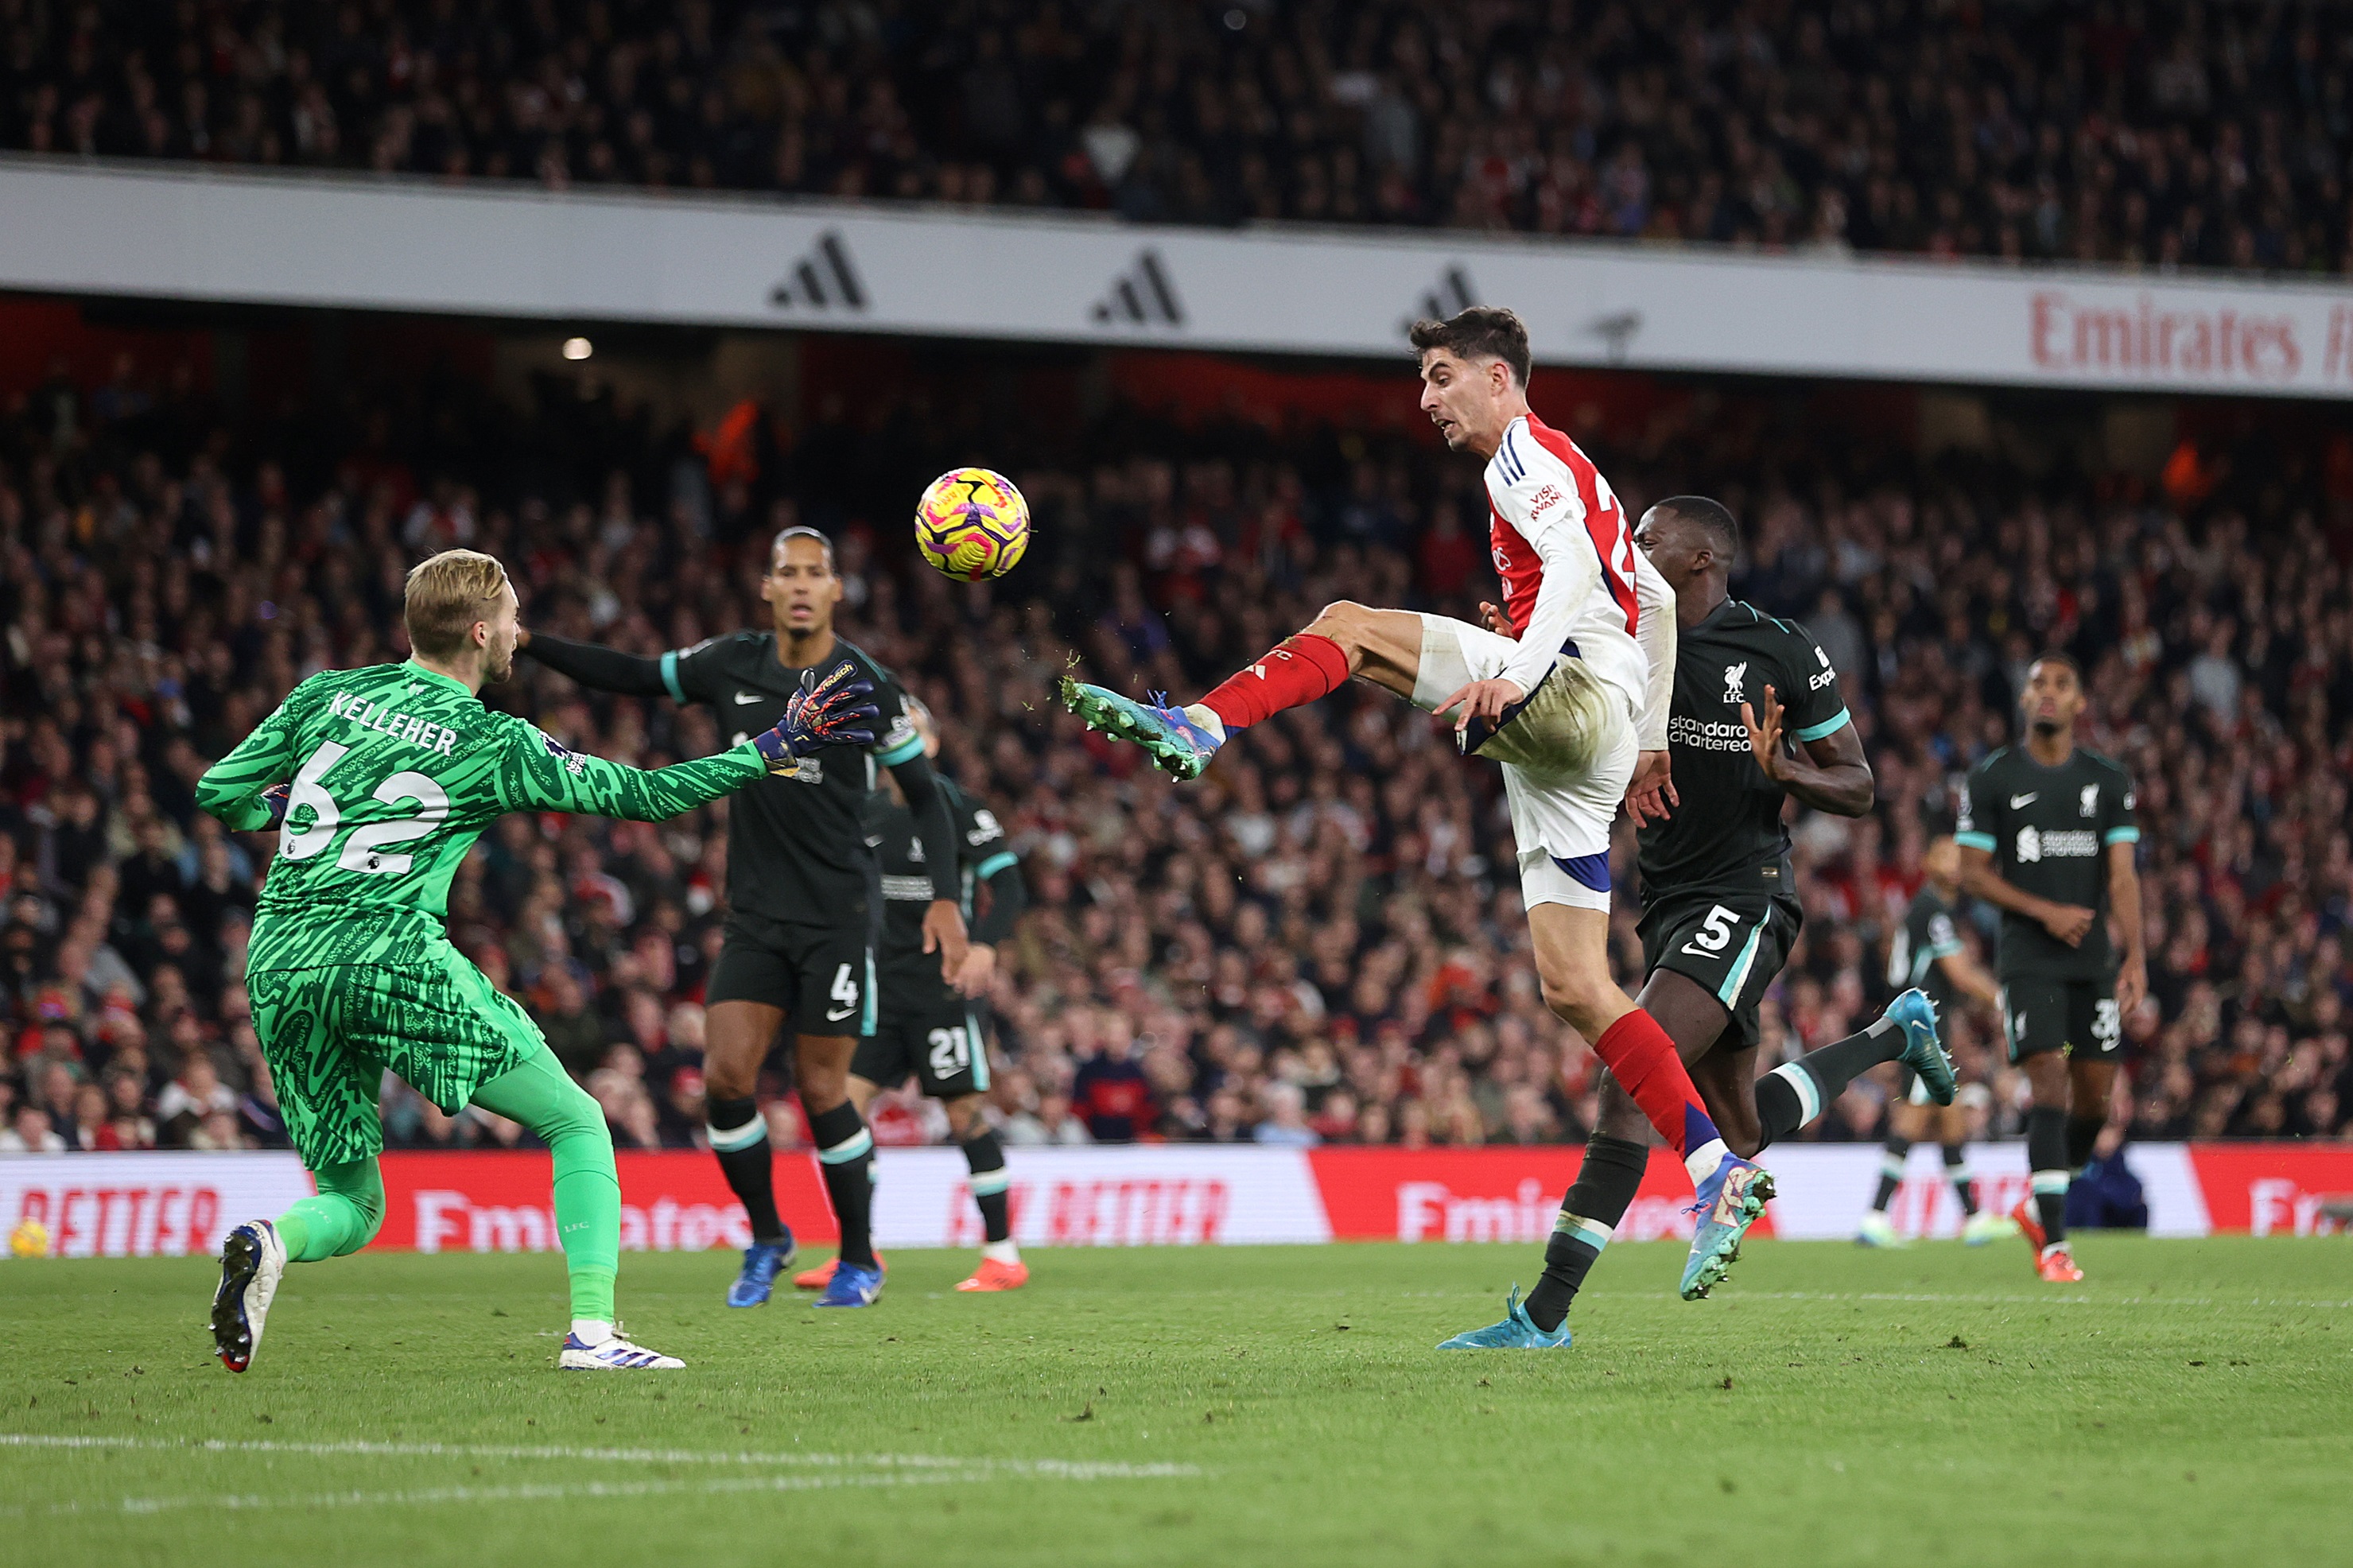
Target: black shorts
(822,977)
(2078,1017)
(944,1042)
(1732,944)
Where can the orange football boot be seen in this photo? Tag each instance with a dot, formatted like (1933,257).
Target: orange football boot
(2057,1266)
(994,1276)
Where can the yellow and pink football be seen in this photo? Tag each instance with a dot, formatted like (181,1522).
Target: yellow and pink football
(972,524)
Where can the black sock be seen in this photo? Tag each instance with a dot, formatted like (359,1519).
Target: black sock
(2046,1156)
(1957,1171)
(1795,1092)
(2083,1135)
(739,1136)
(845,1157)
(985,1155)
(1891,1171)
(1604,1191)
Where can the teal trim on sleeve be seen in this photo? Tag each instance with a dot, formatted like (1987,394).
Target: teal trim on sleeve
(913,746)
(1829,726)
(1945,950)
(2122,835)
(994,864)
(669,676)
(1975,841)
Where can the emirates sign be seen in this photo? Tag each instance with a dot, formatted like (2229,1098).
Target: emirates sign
(85,227)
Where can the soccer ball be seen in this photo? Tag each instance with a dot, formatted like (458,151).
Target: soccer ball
(29,1239)
(972,524)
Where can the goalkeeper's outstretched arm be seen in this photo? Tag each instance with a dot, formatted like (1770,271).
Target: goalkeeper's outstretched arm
(599,668)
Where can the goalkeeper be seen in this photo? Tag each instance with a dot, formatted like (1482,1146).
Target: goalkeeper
(378,781)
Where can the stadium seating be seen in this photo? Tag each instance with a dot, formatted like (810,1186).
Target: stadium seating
(2161,136)
(1326,911)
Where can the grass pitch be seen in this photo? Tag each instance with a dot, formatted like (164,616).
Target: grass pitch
(2192,1402)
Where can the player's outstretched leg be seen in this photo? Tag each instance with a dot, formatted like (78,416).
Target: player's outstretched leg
(1795,1092)
(339,1218)
(538,1094)
(1383,645)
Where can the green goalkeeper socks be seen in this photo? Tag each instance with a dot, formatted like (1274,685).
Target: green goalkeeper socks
(542,1097)
(343,1217)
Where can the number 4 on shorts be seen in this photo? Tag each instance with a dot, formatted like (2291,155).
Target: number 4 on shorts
(845,992)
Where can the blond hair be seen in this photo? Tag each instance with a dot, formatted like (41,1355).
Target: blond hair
(446,594)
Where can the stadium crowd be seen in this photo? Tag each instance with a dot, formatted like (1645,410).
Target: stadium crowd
(2159,134)
(1322,940)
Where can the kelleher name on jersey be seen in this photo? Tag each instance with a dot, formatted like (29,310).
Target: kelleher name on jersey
(403,727)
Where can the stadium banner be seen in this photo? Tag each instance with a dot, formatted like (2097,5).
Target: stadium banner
(170,1204)
(2275,1189)
(1512,1195)
(1139,1195)
(86,228)
(144,1204)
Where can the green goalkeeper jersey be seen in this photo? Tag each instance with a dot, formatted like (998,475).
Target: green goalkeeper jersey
(395,771)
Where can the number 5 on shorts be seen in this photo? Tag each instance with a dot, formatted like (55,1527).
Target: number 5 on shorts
(1715,933)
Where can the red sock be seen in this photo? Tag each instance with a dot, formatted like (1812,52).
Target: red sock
(1643,1060)
(1302,670)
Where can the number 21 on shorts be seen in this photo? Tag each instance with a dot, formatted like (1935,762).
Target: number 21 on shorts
(951,1052)
(1715,933)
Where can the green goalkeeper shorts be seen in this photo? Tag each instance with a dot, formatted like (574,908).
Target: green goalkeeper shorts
(331,1033)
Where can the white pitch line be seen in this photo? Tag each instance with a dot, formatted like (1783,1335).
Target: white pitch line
(544,1493)
(1732,1293)
(952,1466)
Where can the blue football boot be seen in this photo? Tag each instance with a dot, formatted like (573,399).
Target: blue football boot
(763,1261)
(1729,1201)
(1177,744)
(1923,1052)
(852,1285)
(1515,1333)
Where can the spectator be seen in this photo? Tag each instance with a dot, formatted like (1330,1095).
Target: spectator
(1285,1125)
(30,1134)
(195,1094)
(1112,1095)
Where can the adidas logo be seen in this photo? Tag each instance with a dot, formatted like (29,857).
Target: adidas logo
(822,281)
(1616,332)
(1451,297)
(1142,296)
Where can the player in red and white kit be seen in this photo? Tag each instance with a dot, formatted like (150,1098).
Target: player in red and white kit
(1574,706)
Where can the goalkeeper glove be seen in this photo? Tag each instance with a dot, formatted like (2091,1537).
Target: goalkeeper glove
(821,713)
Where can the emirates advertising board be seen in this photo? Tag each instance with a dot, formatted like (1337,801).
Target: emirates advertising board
(168,1205)
(88,228)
